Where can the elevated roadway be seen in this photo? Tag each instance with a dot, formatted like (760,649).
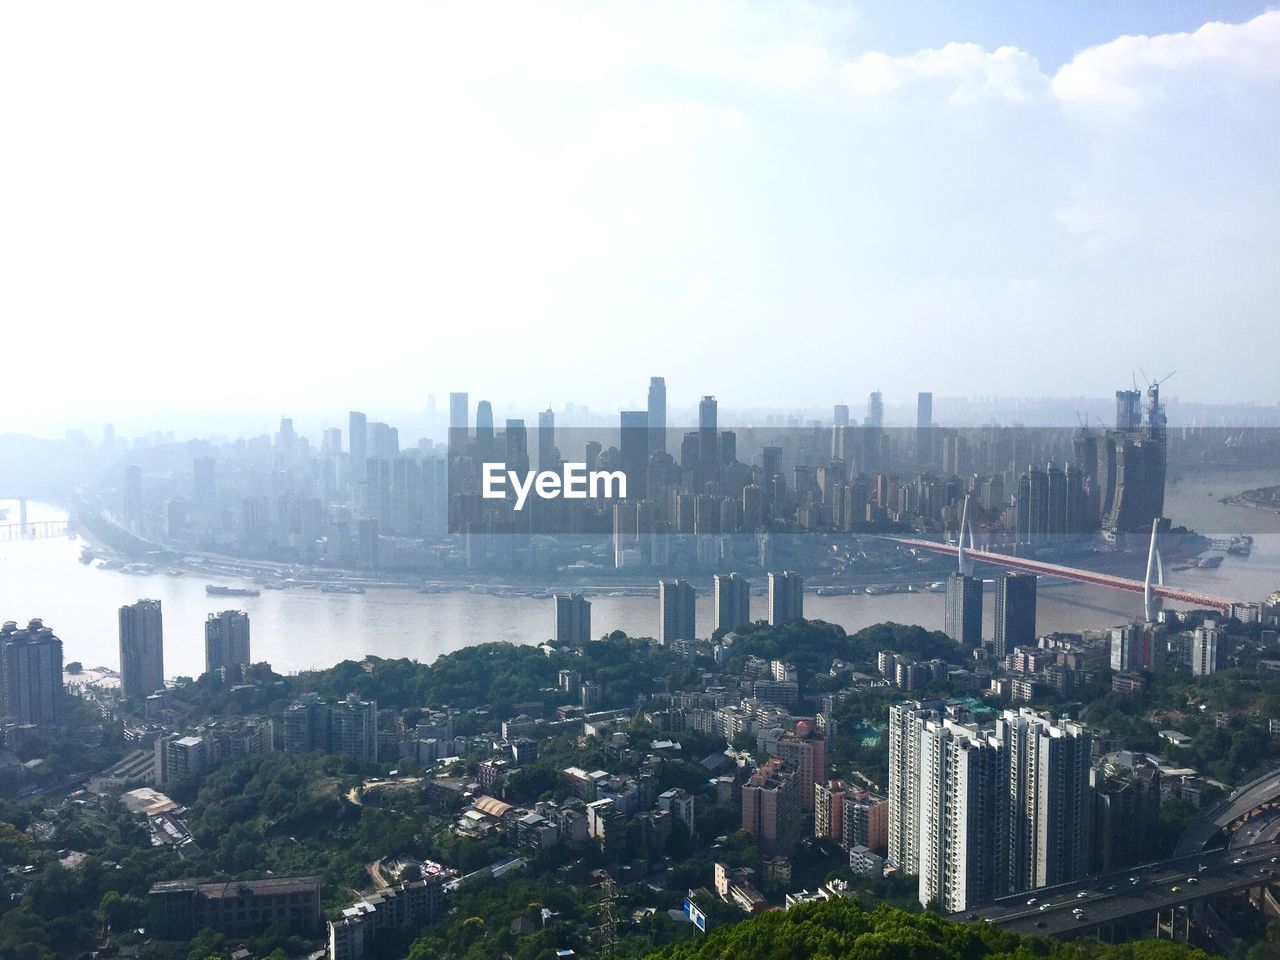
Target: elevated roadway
(1135,898)
(1078,574)
(1244,802)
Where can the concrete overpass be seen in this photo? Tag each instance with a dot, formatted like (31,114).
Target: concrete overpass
(1142,901)
(1244,802)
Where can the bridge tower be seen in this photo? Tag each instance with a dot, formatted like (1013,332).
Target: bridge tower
(965,563)
(1155,569)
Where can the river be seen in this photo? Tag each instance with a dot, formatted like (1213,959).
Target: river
(301,629)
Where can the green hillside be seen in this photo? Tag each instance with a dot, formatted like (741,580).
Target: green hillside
(843,930)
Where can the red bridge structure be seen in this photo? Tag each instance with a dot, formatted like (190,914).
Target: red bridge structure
(1128,584)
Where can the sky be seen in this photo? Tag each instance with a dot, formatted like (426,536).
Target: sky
(291,207)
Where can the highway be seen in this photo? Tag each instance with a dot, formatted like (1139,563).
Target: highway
(1243,801)
(1116,899)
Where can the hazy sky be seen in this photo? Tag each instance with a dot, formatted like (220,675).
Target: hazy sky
(309,206)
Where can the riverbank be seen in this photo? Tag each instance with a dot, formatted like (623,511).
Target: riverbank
(1260,498)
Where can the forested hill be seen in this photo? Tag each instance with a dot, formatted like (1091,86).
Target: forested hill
(843,930)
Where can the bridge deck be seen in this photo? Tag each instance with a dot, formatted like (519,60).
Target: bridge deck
(1071,573)
(1113,899)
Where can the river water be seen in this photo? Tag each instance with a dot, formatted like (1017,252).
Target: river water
(300,629)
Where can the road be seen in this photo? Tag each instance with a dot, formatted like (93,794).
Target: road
(1117,899)
(1264,790)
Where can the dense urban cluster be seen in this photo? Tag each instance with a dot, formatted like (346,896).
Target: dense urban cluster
(705,499)
(667,786)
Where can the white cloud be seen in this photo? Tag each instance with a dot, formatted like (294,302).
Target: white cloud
(964,73)
(1133,72)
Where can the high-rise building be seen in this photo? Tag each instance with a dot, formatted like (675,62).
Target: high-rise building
(732,602)
(708,442)
(924,427)
(517,438)
(1126,812)
(547,459)
(353,728)
(226,640)
(677,618)
(30,674)
(963,620)
(805,753)
(786,597)
(572,620)
(905,722)
(771,808)
(634,452)
(484,428)
(875,410)
(657,415)
(828,809)
(963,802)
(459,421)
(357,444)
(141,649)
(866,821)
(1049,802)
(978,813)
(1205,649)
(1015,613)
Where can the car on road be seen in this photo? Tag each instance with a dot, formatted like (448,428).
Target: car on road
(1045,906)
(1238,860)
(1175,889)
(1193,879)
(1081,916)
(1082,894)
(1031,902)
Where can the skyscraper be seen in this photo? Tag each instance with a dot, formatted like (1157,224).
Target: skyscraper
(732,602)
(708,442)
(517,446)
(30,674)
(547,459)
(358,444)
(924,427)
(963,621)
(963,803)
(786,597)
(1049,802)
(459,421)
(226,640)
(676,611)
(875,410)
(905,721)
(141,649)
(1015,613)
(657,415)
(634,453)
(572,619)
